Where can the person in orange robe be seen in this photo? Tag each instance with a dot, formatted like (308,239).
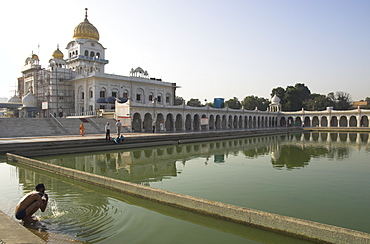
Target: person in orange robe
(82,129)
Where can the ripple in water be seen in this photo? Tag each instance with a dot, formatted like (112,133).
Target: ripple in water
(89,217)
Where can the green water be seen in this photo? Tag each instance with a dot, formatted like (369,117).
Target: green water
(319,177)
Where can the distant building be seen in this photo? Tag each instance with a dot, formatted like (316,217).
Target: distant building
(78,84)
(360,104)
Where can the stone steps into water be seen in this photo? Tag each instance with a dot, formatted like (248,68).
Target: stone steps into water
(63,145)
(30,127)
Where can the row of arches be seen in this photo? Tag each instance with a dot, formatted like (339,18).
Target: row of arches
(198,122)
(327,121)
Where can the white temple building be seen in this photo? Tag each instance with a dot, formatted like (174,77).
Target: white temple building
(77,84)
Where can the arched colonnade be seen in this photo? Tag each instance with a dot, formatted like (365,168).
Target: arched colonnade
(326,120)
(171,121)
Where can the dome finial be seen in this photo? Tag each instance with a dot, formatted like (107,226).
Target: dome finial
(85,30)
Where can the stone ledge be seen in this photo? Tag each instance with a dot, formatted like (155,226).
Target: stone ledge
(12,232)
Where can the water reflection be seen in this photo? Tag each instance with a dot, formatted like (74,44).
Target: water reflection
(290,151)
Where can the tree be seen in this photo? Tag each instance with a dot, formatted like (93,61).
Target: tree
(279,91)
(342,100)
(331,97)
(233,103)
(211,104)
(305,93)
(179,100)
(252,102)
(194,102)
(368,103)
(318,102)
(293,98)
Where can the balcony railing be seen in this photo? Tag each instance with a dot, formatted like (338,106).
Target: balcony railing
(83,114)
(88,58)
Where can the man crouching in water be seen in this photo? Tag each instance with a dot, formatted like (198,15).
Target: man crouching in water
(30,203)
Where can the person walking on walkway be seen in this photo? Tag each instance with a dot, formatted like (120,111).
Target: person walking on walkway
(107,132)
(82,129)
(118,127)
(30,203)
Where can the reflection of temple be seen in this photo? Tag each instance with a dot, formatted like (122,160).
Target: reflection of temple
(154,164)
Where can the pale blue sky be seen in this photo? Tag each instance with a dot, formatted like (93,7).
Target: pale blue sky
(209,48)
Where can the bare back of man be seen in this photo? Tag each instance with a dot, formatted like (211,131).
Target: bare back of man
(29,204)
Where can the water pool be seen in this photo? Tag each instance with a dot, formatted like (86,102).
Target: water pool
(320,177)
(82,213)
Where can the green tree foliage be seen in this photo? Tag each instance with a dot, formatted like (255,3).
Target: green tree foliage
(233,103)
(304,92)
(179,100)
(279,91)
(194,102)
(368,103)
(294,98)
(251,102)
(211,104)
(318,102)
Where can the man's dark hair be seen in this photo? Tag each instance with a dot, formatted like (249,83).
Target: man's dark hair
(40,186)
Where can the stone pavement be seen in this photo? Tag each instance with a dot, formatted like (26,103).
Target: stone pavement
(12,232)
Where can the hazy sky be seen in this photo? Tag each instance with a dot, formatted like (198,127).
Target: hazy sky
(209,48)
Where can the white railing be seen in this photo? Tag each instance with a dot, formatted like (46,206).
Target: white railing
(83,114)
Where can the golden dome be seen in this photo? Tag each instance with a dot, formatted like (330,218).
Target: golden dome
(85,30)
(58,54)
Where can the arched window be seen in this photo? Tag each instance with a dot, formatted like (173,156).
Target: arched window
(159,98)
(125,94)
(140,95)
(80,93)
(167,98)
(151,95)
(91,93)
(98,55)
(102,92)
(114,93)
(76,52)
(70,55)
(92,54)
(86,53)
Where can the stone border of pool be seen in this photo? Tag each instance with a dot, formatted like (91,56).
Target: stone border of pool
(12,232)
(310,230)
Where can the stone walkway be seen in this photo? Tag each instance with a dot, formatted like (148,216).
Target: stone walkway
(12,232)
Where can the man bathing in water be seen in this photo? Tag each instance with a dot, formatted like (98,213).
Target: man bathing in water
(30,203)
